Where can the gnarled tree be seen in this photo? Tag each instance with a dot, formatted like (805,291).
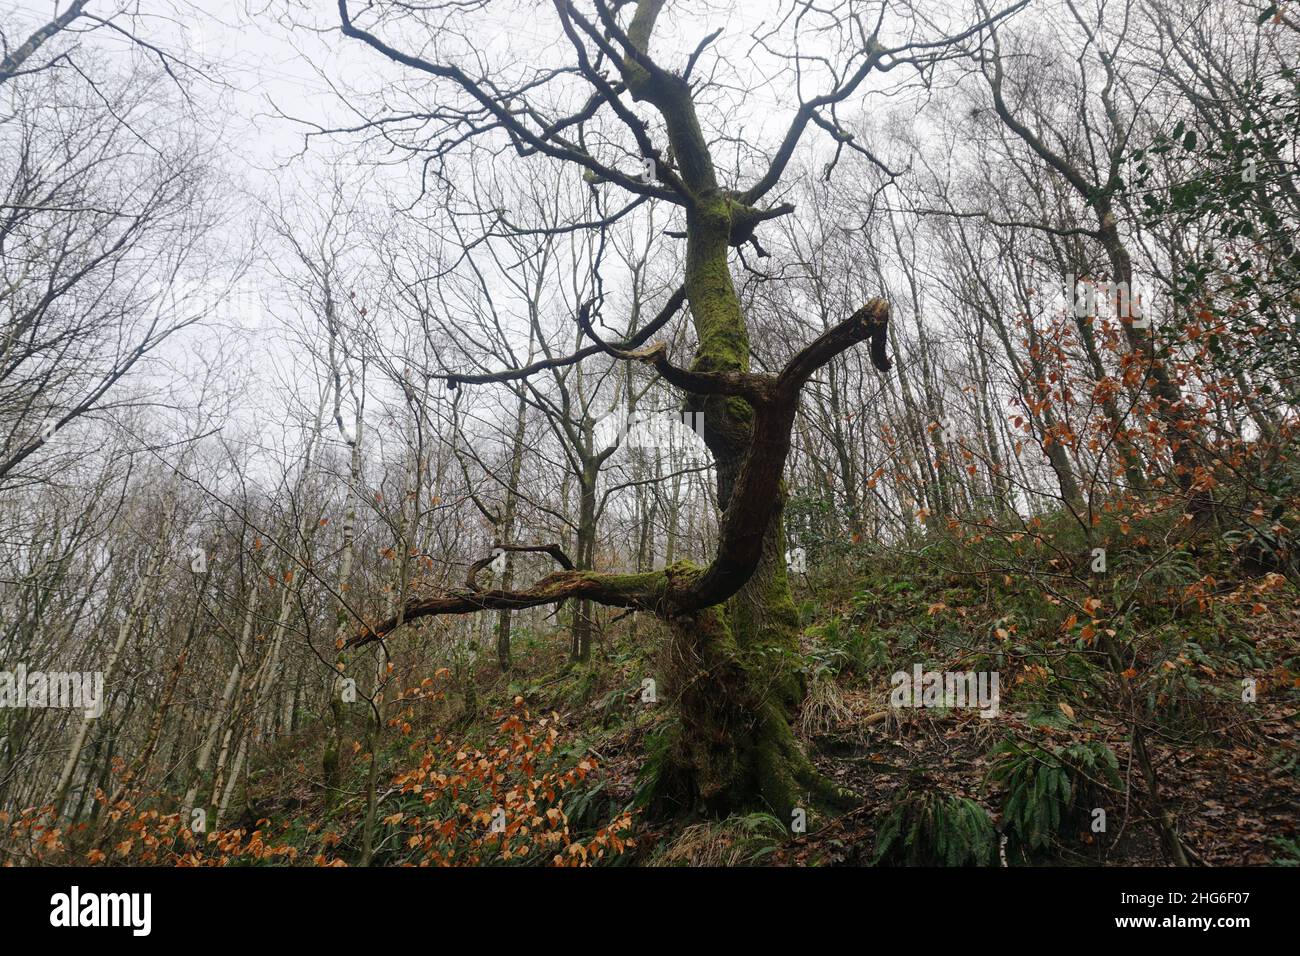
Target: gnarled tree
(733,621)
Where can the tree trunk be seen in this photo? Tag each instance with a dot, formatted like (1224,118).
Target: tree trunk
(581,649)
(730,668)
(508,531)
(735,695)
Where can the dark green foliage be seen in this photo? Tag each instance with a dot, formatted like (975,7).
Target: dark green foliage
(845,649)
(1228,180)
(652,782)
(1290,855)
(925,827)
(1047,788)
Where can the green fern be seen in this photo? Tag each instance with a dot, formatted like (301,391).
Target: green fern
(1290,851)
(1045,788)
(844,648)
(929,828)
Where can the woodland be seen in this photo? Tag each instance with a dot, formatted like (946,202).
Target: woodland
(649,433)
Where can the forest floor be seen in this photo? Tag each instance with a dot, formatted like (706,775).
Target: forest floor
(1229,773)
(1232,802)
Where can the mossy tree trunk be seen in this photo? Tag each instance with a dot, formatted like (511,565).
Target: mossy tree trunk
(731,667)
(733,670)
(734,687)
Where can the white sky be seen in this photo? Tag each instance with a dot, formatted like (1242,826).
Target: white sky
(272,62)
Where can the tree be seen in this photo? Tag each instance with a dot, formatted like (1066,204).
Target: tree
(103,210)
(733,621)
(16,59)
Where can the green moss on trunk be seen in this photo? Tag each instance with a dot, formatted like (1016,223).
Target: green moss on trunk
(732,748)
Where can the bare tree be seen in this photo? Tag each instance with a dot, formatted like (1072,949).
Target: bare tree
(102,217)
(733,619)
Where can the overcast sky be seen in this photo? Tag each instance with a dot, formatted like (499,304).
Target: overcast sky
(270,71)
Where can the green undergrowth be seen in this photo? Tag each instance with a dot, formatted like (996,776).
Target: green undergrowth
(1193,619)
